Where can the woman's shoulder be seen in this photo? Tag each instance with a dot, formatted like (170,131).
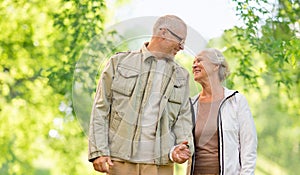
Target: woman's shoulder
(239,97)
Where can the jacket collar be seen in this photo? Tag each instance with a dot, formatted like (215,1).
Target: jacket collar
(147,54)
(228,92)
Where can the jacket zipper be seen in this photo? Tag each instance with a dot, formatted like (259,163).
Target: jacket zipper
(141,103)
(219,122)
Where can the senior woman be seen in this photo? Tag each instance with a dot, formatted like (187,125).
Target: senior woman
(225,135)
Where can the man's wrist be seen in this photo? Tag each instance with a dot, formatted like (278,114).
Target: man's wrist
(92,160)
(171,153)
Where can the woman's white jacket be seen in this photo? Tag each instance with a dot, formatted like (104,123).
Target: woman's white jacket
(237,134)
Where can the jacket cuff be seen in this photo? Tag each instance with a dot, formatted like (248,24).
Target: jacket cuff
(170,153)
(95,155)
(92,160)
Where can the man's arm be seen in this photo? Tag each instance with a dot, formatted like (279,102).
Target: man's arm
(183,128)
(98,131)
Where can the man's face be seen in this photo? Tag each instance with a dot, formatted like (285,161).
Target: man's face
(175,41)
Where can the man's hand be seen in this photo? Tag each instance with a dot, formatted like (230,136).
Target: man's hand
(181,153)
(102,164)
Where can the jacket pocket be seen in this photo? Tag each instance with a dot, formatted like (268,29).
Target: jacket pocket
(178,91)
(125,80)
(114,124)
(115,121)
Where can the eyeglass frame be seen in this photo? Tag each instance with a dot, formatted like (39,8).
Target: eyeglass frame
(181,40)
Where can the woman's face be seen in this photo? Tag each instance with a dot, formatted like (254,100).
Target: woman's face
(202,68)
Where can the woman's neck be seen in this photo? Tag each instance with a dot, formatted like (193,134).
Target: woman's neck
(211,92)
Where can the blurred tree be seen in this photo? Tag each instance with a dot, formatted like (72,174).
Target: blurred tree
(26,113)
(40,45)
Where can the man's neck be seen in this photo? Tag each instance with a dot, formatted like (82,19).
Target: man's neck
(156,50)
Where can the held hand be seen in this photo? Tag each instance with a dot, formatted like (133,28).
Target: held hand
(181,152)
(102,164)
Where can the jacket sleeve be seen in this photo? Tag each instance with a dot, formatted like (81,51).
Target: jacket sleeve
(248,138)
(98,130)
(184,125)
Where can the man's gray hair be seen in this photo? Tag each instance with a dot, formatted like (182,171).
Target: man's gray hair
(172,22)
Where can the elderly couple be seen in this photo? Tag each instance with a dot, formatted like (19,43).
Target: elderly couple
(143,120)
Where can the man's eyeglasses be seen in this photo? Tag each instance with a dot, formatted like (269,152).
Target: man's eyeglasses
(181,40)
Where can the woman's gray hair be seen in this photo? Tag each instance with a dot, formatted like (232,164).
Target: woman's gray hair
(171,22)
(216,57)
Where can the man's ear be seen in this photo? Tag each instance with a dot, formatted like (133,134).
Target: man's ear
(216,67)
(163,33)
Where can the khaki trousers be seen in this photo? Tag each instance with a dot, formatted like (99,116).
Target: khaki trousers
(127,168)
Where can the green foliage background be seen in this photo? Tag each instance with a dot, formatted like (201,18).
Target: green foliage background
(41,41)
